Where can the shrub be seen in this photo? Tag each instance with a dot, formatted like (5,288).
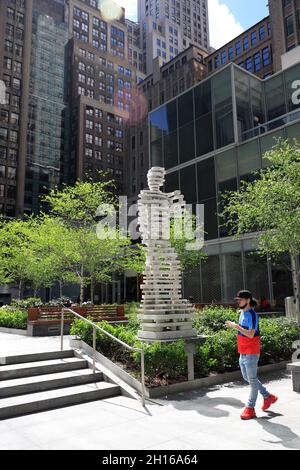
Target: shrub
(167,362)
(212,319)
(13,318)
(27,303)
(277,336)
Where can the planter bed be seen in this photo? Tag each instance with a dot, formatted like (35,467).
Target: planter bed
(163,391)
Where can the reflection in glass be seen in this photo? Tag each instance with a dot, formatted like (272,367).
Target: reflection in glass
(206,179)
(185,108)
(275,100)
(186,143)
(170,150)
(172,182)
(257,275)
(188,184)
(249,160)
(222,94)
(211,279)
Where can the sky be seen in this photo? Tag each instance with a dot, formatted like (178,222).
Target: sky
(228,18)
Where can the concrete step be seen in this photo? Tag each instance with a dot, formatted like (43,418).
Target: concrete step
(40,383)
(28,369)
(33,357)
(48,400)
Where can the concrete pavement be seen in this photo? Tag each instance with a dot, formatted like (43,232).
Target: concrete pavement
(203,419)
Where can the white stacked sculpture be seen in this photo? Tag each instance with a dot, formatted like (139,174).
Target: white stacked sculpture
(164,315)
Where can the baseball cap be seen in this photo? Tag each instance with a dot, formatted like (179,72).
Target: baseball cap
(244,294)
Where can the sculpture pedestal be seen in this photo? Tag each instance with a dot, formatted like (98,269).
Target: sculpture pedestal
(190,349)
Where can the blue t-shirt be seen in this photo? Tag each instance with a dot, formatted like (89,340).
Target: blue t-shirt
(249,321)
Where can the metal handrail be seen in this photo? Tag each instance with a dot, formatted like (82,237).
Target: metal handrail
(94,345)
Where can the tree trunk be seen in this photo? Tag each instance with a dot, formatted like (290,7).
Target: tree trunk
(295,283)
(35,291)
(92,289)
(20,290)
(60,289)
(81,285)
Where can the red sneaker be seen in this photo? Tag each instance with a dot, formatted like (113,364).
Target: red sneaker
(268,402)
(248,413)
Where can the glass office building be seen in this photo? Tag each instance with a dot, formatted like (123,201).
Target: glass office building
(211,138)
(47,134)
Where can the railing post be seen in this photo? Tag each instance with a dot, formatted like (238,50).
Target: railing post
(143,376)
(62,330)
(94,352)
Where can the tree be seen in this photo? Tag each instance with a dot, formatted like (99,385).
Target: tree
(14,243)
(91,252)
(271,206)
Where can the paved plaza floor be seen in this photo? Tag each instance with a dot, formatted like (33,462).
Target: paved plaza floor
(205,419)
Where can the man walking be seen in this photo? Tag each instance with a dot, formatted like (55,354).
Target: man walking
(249,350)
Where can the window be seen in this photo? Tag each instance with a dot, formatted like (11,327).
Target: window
(98,128)
(230,53)
(7,63)
(16,83)
(18,50)
(14,118)
(266,56)
(98,141)
(13,136)
(8,46)
(253,38)
(19,34)
(223,57)
(89,138)
(98,113)
(249,64)
(257,61)
(246,43)
(3,153)
(9,30)
(238,49)
(88,153)
(11,173)
(3,116)
(262,33)
(89,124)
(289,25)
(15,101)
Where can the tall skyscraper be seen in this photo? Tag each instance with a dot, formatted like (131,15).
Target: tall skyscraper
(33,37)
(168,27)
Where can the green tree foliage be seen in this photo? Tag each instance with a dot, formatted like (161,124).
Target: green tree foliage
(271,205)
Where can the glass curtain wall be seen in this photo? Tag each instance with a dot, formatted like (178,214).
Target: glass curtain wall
(47,108)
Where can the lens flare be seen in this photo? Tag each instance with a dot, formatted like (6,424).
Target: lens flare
(110,11)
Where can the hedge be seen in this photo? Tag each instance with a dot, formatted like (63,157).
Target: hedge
(167,362)
(13,318)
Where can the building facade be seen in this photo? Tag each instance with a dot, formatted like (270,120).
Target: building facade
(252,50)
(285,17)
(210,140)
(169,27)
(32,65)
(166,82)
(101,83)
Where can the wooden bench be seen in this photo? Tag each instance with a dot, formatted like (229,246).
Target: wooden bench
(45,321)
